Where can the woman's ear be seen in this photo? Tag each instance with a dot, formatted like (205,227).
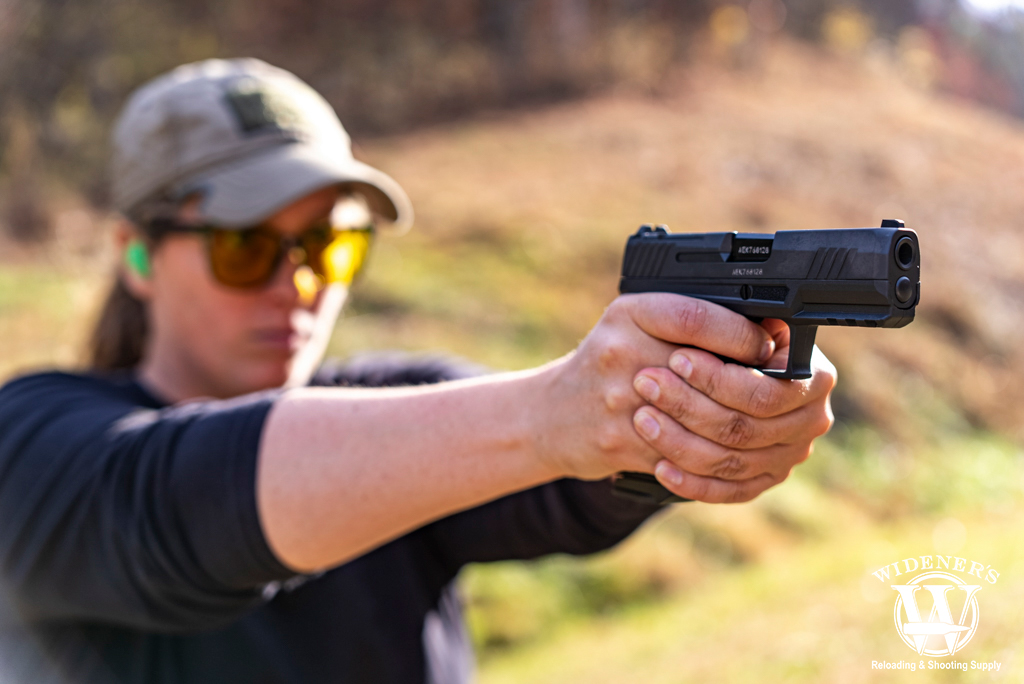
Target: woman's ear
(134,263)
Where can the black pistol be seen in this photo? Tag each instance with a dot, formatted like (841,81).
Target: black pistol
(869,277)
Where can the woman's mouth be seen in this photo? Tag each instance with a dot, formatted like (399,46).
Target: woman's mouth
(281,339)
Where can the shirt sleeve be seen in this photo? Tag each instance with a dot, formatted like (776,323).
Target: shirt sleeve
(140,517)
(565,516)
(395,369)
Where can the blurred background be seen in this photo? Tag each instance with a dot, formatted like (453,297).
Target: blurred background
(534,137)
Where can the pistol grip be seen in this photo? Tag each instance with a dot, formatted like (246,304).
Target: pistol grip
(801,347)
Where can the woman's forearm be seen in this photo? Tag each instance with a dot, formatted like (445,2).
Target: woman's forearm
(344,470)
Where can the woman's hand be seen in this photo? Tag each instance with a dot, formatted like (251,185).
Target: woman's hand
(730,432)
(726,434)
(584,414)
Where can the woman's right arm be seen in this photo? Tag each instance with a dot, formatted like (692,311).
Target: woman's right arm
(343,471)
(175,519)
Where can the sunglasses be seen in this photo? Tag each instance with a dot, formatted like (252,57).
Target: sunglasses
(249,257)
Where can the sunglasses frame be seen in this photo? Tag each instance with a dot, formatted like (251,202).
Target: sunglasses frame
(285,244)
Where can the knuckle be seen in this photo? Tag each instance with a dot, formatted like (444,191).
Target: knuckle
(748,337)
(693,317)
(737,431)
(611,439)
(763,399)
(825,423)
(617,399)
(740,494)
(701,489)
(729,467)
(751,489)
(713,381)
(615,310)
(611,354)
(829,375)
(804,452)
(677,406)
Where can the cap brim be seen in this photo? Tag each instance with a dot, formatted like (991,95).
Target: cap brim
(248,191)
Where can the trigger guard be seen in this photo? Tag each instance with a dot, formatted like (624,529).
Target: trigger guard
(785,374)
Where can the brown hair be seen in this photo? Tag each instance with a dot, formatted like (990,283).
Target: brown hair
(119,335)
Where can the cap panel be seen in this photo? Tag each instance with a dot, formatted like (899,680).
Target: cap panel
(238,194)
(191,118)
(196,127)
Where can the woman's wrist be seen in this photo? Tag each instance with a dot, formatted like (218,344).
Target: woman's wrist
(548,428)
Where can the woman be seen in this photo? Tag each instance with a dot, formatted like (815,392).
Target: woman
(189,512)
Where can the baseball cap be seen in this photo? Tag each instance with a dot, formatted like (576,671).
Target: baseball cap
(250,138)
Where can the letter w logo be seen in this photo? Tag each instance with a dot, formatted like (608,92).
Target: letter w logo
(940,620)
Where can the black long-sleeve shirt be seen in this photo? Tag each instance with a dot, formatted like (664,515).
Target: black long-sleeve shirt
(131,550)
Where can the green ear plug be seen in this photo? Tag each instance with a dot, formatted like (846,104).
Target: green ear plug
(137,258)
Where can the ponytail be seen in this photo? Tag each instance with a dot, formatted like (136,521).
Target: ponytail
(119,336)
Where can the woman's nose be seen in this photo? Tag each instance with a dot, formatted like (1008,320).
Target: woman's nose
(287,286)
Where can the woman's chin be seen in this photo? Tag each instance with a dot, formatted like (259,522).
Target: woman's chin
(265,376)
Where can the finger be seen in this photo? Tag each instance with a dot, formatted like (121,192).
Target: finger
(710,489)
(778,330)
(749,390)
(685,320)
(726,426)
(639,455)
(701,456)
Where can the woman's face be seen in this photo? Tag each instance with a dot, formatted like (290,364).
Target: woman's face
(208,339)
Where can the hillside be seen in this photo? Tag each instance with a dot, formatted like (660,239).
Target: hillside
(530,211)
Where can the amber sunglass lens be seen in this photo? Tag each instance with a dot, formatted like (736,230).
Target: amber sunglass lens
(340,260)
(243,258)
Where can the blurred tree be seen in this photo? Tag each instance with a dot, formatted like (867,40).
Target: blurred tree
(66,66)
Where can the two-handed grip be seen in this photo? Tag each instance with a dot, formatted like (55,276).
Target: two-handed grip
(645,488)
